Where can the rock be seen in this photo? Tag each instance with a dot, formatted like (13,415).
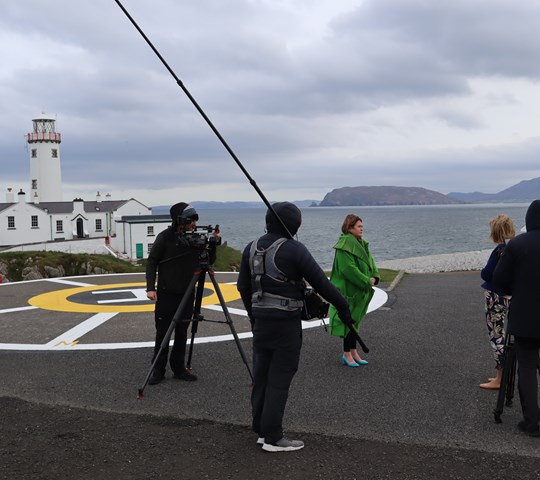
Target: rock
(3,269)
(31,273)
(53,272)
(85,268)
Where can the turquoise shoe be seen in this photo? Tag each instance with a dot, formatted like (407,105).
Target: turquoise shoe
(345,362)
(361,362)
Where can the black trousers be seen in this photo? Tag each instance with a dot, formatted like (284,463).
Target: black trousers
(349,342)
(166,307)
(276,355)
(527,357)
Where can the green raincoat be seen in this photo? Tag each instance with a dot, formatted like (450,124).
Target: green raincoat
(351,274)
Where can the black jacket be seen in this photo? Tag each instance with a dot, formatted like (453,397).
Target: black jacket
(518,274)
(294,260)
(173,261)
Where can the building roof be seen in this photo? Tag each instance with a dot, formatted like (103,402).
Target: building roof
(67,207)
(145,219)
(5,206)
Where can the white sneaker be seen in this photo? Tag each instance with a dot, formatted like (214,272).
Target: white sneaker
(283,445)
(260,441)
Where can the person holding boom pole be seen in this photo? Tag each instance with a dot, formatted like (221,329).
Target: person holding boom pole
(271,285)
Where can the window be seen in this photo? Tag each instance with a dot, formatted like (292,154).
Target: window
(150,245)
(150,231)
(59,226)
(34,221)
(34,152)
(98,225)
(54,153)
(34,184)
(11,222)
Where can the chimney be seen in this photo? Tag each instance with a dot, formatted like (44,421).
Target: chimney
(98,197)
(21,196)
(10,196)
(78,206)
(36,198)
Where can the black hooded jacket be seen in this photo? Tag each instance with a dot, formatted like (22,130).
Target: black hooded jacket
(518,274)
(294,260)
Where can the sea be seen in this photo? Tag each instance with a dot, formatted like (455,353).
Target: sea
(393,232)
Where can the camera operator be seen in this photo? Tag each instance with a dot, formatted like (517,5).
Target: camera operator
(175,261)
(274,307)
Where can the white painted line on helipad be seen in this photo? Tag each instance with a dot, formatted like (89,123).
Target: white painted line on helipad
(23,346)
(17,309)
(380,297)
(69,338)
(139,294)
(219,308)
(69,282)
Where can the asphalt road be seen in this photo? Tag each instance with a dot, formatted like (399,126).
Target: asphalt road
(414,412)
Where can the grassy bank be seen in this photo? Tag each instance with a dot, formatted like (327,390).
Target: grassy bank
(17,266)
(387,275)
(31,265)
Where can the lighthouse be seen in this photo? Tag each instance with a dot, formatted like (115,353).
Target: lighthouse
(44,150)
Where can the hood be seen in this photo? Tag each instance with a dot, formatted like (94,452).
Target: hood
(177,209)
(183,214)
(532,218)
(290,215)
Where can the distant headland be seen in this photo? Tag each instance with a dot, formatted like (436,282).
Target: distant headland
(523,192)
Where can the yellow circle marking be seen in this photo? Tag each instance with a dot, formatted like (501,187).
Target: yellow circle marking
(58,300)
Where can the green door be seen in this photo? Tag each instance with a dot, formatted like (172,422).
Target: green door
(139,250)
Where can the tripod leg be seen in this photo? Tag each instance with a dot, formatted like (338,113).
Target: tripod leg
(510,387)
(196,316)
(230,322)
(506,389)
(167,337)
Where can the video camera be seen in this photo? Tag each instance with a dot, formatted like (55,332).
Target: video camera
(201,237)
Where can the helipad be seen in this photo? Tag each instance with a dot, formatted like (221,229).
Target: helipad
(110,312)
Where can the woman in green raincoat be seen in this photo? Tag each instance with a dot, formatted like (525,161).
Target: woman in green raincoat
(354,273)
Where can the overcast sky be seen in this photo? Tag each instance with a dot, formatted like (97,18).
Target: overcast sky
(311,95)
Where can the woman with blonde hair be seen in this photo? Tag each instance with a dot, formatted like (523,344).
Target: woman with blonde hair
(353,273)
(496,307)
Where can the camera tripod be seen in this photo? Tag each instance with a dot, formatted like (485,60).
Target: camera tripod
(197,282)
(508,380)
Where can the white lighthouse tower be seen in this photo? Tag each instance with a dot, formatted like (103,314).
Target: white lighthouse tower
(45,172)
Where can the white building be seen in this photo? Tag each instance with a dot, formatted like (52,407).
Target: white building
(135,235)
(46,218)
(22,222)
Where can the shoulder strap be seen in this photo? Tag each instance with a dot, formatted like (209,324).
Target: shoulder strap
(262,261)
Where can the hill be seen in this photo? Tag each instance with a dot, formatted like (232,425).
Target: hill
(384,195)
(523,192)
(202,205)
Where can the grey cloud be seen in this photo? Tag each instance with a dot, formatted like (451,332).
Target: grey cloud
(277,103)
